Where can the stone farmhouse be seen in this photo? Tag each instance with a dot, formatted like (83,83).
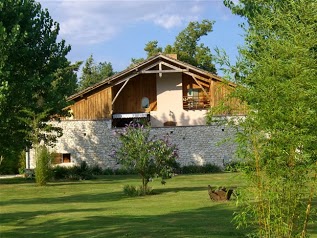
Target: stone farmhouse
(171,95)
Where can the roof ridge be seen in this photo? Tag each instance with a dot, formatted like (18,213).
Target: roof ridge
(135,68)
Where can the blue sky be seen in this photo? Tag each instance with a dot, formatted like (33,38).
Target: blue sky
(116,31)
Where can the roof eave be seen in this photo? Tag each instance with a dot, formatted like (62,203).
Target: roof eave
(135,68)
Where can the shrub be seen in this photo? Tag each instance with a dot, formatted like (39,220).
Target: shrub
(108,171)
(60,173)
(119,171)
(200,169)
(125,171)
(78,172)
(211,168)
(96,170)
(82,171)
(43,165)
(133,191)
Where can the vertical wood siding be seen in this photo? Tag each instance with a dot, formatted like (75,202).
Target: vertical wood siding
(94,106)
(129,99)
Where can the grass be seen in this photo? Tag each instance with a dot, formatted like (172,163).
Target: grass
(98,208)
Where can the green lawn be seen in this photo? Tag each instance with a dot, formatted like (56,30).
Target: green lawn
(98,208)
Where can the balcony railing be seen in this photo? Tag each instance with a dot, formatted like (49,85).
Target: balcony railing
(193,102)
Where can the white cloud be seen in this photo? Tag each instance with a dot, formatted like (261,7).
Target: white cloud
(169,21)
(96,21)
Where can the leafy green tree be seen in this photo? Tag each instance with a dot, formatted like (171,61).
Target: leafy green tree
(278,150)
(152,48)
(150,157)
(34,71)
(187,46)
(93,73)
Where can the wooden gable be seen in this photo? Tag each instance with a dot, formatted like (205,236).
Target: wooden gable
(123,92)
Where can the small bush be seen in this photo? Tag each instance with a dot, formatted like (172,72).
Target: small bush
(43,165)
(125,171)
(108,171)
(78,172)
(130,190)
(82,171)
(96,170)
(133,191)
(211,168)
(200,169)
(60,173)
(120,171)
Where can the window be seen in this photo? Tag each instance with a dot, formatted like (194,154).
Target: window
(194,92)
(62,158)
(145,103)
(196,99)
(193,97)
(66,158)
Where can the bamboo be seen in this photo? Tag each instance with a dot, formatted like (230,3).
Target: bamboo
(312,191)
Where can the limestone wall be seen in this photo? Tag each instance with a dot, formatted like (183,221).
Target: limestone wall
(93,141)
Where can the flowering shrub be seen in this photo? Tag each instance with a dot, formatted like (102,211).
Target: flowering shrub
(149,156)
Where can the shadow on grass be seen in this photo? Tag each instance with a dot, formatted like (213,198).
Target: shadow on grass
(204,222)
(213,221)
(97,178)
(17,180)
(61,198)
(178,189)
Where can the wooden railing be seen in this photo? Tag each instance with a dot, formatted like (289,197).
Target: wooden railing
(192,103)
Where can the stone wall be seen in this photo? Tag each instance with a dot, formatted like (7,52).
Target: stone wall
(93,141)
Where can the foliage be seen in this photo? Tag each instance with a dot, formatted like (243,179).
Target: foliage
(43,165)
(234,166)
(199,169)
(37,131)
(78,172)
(82,171)
(133,191)
(13,163)
(187,46)
(61,172)
(278,71)
(149,156)
(96,170)
(22,162)
(34,71)
(40,134)
(93,73)
(69,173)
(123,171)
(10,164)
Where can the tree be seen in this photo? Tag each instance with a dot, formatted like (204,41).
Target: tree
(278,149)
(187,46)
(34,71)
(93,73)
(148,156)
